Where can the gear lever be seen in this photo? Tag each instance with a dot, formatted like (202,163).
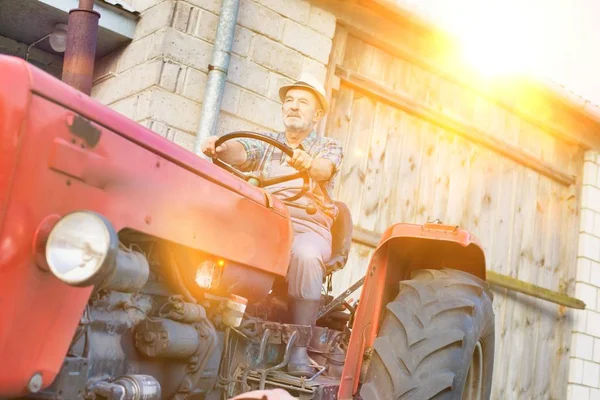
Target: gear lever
(310,208)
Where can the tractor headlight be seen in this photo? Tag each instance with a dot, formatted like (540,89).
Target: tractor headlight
(209,273)
(81,247)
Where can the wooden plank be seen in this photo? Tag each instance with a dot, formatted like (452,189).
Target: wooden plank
(389,176)
(471,211)
(441,186)
(372,239)
(547,349)
(500,258)
(332,82)
(407,190)
(469,168)
(378,152)
(338,51)
(459,170)
(365,236)
(375,64)
(407,206)
(527,317)
(475,216)
(419,85)
(520,325)
(566,319)
(501,211)
(427,172)
(546,255)
(399,100)
(532,310)
(352,177)
(355,51)
(395,76)
(559,327)
(339,124)
(488,223)
(511,299)
(532,290)
(441,93)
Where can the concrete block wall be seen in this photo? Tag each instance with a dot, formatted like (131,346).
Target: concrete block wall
(48,62)
(584,363)
(159,79)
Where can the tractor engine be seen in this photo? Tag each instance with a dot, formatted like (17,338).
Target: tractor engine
(137,339)
(145,334)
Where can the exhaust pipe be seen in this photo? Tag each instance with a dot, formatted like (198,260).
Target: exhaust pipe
(82,33)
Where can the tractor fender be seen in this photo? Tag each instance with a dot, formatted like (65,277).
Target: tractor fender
(434,246)
(403,248)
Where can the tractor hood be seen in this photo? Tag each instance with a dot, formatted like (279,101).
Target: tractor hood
(76,153)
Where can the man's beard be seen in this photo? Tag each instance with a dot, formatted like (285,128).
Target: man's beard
(296,124)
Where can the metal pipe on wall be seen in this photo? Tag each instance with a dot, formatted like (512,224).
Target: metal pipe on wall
(82,33)
(217,72)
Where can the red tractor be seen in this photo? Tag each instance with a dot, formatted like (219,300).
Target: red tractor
(131,269)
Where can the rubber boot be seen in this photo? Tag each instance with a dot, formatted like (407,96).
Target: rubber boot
(302,312)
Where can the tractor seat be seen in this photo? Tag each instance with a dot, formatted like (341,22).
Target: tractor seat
(341,239)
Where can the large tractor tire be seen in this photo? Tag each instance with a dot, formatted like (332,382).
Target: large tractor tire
(436,341)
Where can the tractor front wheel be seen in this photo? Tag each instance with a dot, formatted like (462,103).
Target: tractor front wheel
(436,340)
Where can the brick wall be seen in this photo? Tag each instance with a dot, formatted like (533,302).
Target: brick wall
(584,368)
(159,79)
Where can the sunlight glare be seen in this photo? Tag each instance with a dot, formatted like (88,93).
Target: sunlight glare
(496,38)
(505,39)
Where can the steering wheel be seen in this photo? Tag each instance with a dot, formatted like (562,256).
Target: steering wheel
(254,179)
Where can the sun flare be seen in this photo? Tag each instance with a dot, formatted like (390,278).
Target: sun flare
(499,38)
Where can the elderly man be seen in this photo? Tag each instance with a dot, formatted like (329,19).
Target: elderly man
(304,104)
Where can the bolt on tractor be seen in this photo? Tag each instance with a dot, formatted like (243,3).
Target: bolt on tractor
(132,269)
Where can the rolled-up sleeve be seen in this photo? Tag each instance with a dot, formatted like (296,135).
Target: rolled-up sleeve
(333,152)
(254,152)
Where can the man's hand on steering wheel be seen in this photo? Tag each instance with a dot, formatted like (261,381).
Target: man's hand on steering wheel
(298,159)
(301,160)
(212,151)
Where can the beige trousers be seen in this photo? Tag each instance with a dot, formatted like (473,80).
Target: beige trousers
(311,247)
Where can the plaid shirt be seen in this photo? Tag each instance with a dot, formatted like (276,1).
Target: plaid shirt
(314,145)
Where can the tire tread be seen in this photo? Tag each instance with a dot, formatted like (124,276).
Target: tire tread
(420,304)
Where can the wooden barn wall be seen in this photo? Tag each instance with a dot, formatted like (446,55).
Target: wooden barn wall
(400,167)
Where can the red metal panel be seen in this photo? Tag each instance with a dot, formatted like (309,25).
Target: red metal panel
(143,191)
(136,179)
(70,98)
(13,107)
(430,245)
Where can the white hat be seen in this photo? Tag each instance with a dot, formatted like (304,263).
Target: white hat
(309,82)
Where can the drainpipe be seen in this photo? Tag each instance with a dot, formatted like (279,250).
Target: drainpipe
(82,31)
(217,72)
